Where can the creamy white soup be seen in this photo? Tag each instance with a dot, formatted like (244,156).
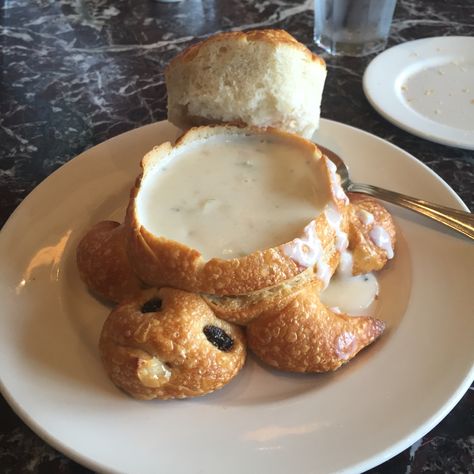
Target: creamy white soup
(230,196)
(353,295)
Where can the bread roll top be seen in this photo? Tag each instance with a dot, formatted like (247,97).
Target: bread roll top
(262,78)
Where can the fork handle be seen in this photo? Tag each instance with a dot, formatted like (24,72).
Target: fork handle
(460,221)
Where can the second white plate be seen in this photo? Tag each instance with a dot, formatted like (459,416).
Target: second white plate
(426,87)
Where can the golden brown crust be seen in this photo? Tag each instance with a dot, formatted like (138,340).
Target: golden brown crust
(367,257)
(159,261)
(103,263)
(244,308)
(271,36)
(164,353)
(307,337)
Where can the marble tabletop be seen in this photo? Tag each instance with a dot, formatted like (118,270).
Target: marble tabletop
(77,72)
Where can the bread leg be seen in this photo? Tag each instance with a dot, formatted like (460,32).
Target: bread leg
(308,337)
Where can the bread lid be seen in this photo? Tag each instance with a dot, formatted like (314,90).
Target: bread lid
(244,247)
(261,78)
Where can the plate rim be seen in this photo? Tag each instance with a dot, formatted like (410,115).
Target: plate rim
(369,77)
(375,460)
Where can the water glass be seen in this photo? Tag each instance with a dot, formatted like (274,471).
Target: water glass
(352,27)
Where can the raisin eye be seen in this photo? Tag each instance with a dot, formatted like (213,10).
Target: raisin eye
(151,306)
(218,337)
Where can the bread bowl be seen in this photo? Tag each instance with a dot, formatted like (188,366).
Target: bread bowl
(261,78)
(270,87)
(312,241)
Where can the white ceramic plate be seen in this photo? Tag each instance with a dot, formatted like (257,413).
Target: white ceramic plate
(427,88)
(264,421)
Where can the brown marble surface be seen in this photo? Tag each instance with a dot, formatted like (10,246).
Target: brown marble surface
(75,73)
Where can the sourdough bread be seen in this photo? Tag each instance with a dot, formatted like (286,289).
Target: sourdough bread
(261,78)
(161,261)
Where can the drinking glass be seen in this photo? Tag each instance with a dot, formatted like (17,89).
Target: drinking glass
(352,27)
